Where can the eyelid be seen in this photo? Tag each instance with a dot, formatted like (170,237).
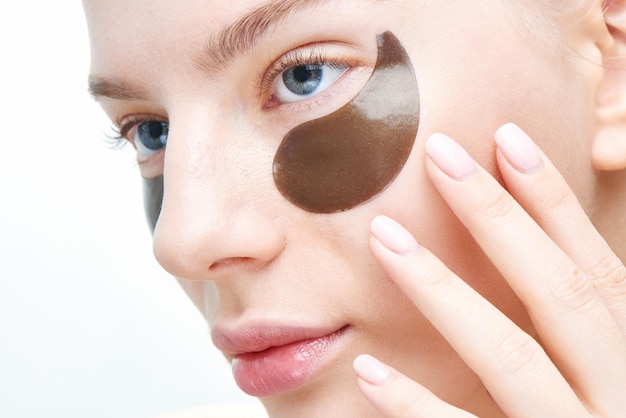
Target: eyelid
(317,53)
(291,59)
(127,123)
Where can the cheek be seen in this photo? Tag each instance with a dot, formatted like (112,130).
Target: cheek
(339,161)
(414,202)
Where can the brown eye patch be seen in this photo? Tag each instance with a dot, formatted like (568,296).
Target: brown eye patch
(346,158)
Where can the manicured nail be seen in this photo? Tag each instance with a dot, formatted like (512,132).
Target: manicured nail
(450,157)
(519,150)
(371,370)
(393,235)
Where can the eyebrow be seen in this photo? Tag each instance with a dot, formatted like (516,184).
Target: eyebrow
(243,35)
(103,87)
(220,49)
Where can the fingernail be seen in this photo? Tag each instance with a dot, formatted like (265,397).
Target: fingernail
(393,235)
(450,157)
(371,370)
(519,150)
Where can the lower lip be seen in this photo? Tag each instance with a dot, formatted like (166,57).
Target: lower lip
(283,368)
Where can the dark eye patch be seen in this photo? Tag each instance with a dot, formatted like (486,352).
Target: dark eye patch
(344,159)
(152,199)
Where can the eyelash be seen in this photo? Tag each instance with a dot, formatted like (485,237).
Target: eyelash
(120,131)
(115,140)
(297,58)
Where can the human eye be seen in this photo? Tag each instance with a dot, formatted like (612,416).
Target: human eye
(305,81)
(297,77)
(146,133)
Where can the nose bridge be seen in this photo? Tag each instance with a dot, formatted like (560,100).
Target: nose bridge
(211,219)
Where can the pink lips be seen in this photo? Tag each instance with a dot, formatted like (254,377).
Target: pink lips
(269,360)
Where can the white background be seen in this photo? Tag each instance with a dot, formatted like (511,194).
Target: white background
(90,326)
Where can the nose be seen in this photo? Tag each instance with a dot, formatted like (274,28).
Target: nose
(219,212)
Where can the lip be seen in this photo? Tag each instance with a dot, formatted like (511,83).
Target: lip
(268,360)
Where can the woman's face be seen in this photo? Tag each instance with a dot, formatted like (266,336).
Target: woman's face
(266,273)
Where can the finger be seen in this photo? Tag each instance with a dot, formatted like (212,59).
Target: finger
(395,395)
(575,326)
(513,367)
(548,199)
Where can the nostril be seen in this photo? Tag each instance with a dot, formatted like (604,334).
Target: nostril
(225,262)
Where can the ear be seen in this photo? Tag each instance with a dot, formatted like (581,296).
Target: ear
(609,146)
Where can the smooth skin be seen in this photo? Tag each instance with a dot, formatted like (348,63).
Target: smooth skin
(513,301)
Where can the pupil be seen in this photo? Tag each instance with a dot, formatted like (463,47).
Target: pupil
(302,74)
(153,135)
(156,130)
(303,79)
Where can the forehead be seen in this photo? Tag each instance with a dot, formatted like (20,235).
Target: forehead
(137,24)
(162,15)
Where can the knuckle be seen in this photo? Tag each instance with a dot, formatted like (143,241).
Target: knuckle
(558,197)
(516,352)
(609,281)
(570,288)
(412,404)
(442,279)
(608,275)
(497,204)
(416,403)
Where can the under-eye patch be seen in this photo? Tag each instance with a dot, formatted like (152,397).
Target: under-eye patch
(346,158)
(152,199)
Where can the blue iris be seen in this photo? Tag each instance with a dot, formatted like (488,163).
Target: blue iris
(303,79)
(152,134)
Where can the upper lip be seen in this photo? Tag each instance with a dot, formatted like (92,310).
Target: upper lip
(253,338)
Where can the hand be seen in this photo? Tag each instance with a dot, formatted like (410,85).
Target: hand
(543,244)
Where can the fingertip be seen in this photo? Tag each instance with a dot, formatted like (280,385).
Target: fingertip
(395,395)
(518,149)
(392,235)
(450,157)
(371,370)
